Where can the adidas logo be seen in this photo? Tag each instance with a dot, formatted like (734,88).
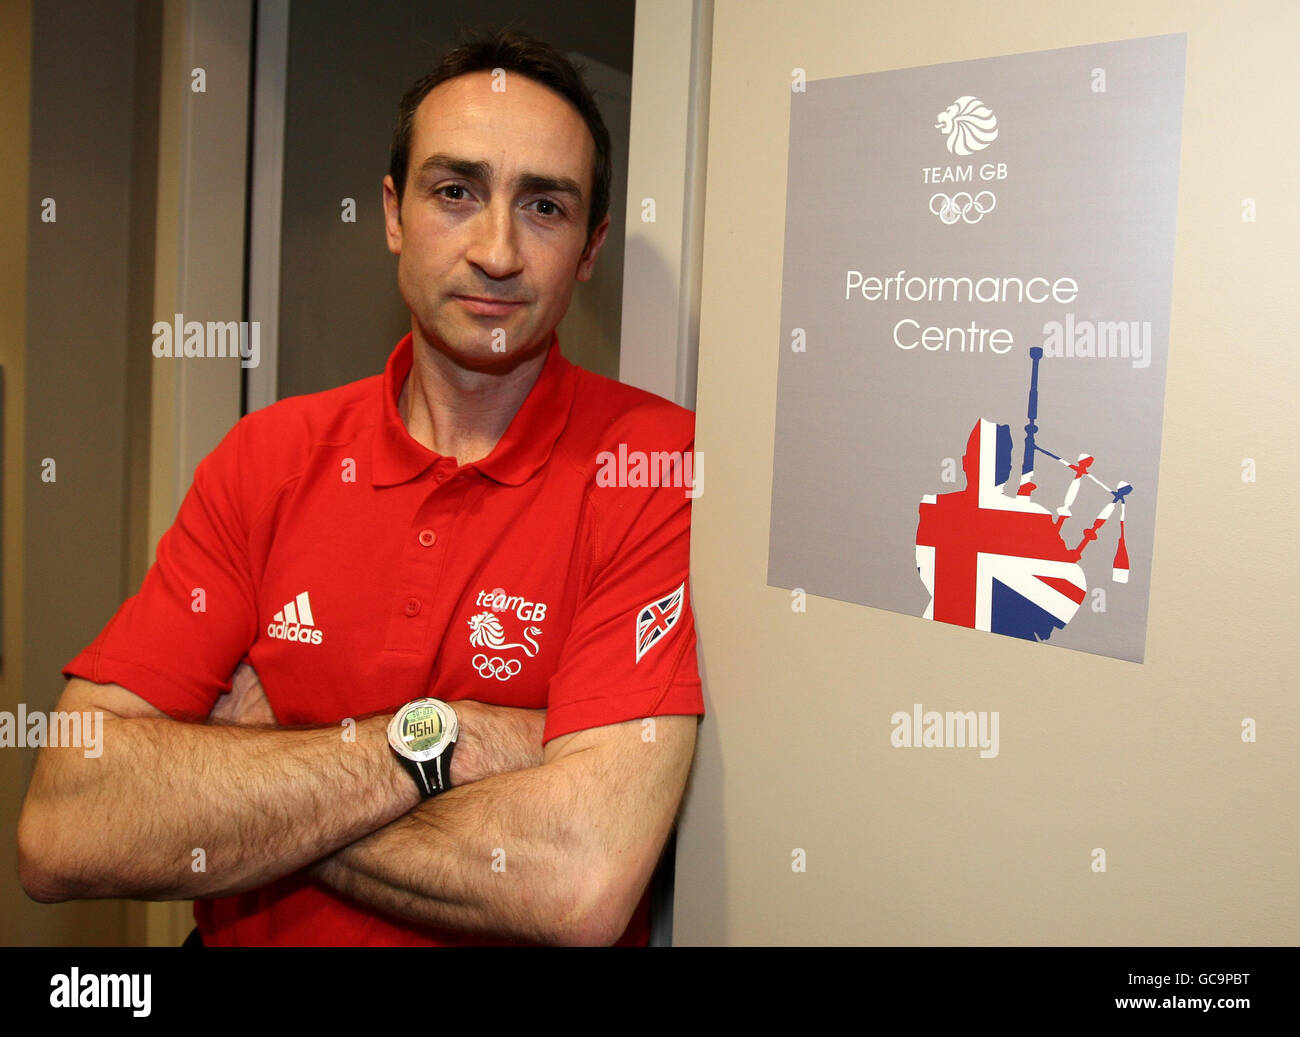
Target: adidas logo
(294,622)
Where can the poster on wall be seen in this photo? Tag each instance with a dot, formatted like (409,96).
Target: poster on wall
(975,320)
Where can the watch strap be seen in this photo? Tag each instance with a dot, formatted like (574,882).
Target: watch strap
(431,776)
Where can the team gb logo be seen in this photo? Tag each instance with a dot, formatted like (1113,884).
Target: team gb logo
(486,631)
(968,124)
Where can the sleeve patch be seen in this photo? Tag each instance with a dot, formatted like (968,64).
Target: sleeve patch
(655,619)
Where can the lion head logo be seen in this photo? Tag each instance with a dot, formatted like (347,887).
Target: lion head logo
(968,124)
(486,631)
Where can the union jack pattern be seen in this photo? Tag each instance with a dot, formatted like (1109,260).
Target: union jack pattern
(998,562)
(654,620)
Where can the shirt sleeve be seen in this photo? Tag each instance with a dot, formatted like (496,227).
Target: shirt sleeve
(177,642)
(631,649)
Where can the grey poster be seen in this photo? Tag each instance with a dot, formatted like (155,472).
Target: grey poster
(957,237)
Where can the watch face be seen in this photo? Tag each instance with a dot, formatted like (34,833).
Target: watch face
(421,729)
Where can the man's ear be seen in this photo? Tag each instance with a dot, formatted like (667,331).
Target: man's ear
(588,261)
(392,217)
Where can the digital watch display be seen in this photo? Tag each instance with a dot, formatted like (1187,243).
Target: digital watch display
(423,734)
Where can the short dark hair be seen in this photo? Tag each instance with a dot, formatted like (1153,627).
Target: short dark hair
(527,56)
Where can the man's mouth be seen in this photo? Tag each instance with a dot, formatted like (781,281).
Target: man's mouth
(488,306)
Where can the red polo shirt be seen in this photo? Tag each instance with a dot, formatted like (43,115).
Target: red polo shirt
(356,570)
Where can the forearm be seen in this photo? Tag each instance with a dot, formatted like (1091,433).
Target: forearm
(554,854)
(258,802)
(495,741)
(493,858)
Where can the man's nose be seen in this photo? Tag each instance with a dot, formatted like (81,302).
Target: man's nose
(494,248)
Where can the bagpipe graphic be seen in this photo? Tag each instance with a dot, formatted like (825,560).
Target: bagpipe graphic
(997,562)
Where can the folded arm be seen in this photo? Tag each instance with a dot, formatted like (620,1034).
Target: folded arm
(558,853)
(259,801)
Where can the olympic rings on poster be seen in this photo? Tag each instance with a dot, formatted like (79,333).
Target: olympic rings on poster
(961,206)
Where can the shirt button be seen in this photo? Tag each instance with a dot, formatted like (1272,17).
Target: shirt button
(413,606)
(427,537)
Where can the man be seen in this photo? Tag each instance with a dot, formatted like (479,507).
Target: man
(446,530)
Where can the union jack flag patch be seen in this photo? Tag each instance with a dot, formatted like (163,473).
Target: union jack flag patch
(653,621)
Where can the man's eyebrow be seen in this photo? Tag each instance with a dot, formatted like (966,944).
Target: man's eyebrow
(482,171)
(530,182)
(465,167)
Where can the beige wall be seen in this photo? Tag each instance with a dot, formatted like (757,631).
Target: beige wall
(72,355)
(15,97)
(1144,761)
(666,165)
(140,174)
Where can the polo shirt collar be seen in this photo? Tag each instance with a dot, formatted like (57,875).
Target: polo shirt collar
(528,441)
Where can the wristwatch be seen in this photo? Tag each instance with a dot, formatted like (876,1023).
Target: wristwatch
(422,735)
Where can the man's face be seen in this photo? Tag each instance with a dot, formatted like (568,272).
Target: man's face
(492,232)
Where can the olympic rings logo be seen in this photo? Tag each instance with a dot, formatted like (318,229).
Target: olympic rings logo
(961,205)
(501,669)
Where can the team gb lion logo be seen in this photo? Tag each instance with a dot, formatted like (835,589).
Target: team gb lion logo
(486,632)
(968,124)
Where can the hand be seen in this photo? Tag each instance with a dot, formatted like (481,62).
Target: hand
(245,705)
(495,740)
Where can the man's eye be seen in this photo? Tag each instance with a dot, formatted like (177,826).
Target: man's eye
(546,207)
(458,188)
